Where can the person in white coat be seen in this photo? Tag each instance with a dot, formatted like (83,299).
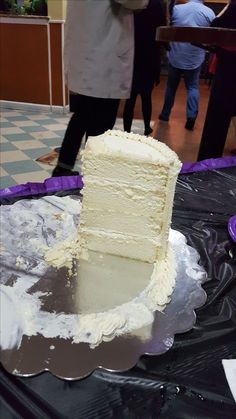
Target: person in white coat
(99,51)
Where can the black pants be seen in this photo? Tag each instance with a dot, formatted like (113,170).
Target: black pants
(221,107)
(128,114)
(92,116)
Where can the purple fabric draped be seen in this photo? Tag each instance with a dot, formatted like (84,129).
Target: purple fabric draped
(53,184)
(209,164)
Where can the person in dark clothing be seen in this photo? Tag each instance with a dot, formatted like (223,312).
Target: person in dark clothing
(147,62)
(99,50)
(222,102)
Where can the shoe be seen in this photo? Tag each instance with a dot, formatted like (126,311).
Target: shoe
(163,118)
(148,131)
(60,171)
(190,124)
(233,151)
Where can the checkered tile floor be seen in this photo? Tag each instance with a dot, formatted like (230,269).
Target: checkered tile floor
(25,136)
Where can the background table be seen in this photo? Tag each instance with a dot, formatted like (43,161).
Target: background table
(197,35)
(222,101)
(186,382)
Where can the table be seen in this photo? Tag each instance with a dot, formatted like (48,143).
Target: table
(197,35)
(222,102)
(186,382)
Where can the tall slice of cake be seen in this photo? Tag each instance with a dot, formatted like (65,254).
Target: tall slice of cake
(128,195)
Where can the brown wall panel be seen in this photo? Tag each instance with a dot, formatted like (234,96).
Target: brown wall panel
(56,63)
(24,63)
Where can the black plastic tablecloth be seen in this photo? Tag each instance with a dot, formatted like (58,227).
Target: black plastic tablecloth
(186,382)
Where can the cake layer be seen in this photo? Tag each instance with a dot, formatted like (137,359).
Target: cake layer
(146,249)
(108,196)
(114,221)
(144,175)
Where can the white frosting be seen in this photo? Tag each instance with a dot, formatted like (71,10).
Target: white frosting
(11,322)
(63,253)
(134,146)
(123,146)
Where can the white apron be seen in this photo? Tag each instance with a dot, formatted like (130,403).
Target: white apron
(99,47)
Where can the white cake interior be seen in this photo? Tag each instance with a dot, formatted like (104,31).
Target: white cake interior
(128,195)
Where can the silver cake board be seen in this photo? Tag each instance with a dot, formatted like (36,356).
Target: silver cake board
(27,354)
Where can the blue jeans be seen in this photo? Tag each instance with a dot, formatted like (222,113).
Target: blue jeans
(191,81)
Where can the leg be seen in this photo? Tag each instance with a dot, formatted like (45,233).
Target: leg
(174,75)
(215,129)
(191,80)
(101,115)
(94,116)
(128,113)
(147,111)
(218,115)
(72,139)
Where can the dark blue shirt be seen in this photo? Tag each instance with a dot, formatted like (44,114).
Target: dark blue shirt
(182,54)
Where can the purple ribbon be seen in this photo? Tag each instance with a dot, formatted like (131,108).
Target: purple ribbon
(53,184)
(209,164)
(232,227)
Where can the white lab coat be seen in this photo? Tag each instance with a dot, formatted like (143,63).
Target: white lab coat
(99,47)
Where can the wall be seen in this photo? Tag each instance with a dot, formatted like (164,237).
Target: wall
(57,9)
(32,52)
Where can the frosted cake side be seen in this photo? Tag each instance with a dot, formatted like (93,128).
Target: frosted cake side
(128,195)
